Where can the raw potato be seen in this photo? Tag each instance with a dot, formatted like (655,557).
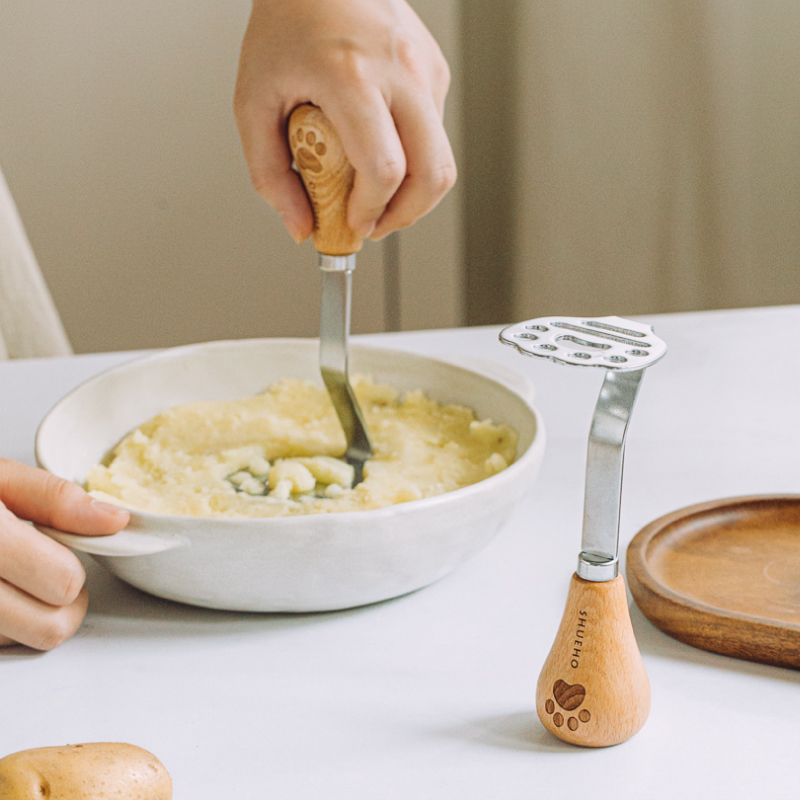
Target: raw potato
(98,770)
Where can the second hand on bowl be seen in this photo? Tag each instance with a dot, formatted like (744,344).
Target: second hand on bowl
(328,177)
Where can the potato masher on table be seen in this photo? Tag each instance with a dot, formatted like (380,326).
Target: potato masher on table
(593,689)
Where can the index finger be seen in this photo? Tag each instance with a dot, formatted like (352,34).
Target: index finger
(370,139)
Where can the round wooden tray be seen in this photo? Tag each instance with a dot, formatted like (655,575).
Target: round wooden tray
(724,576)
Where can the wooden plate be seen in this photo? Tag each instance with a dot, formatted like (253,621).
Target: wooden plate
(724,576)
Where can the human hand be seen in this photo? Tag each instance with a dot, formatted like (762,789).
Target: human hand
(381,79)
(42,597)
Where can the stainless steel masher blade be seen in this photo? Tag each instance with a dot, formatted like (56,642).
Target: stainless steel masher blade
(328,177)
(593,689)
(337,276)
(624,348)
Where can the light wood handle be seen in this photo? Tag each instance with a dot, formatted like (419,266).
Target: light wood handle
(593,689)
(328,177)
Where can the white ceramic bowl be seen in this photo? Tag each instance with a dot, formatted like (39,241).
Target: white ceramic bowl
(306,563)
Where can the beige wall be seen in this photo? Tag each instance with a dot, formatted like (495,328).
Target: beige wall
(119,145)
(620,156)
(656,162)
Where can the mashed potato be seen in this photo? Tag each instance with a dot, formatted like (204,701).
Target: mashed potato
(275,454)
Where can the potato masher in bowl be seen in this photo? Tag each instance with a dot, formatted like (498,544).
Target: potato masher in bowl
(328,178)
(593,689)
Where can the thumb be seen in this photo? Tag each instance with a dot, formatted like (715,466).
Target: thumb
(39,496)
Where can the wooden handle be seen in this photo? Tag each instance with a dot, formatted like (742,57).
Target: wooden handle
(328,177)
(593,689)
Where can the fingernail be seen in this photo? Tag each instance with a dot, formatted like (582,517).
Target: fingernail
(298,237)
(109,508)
(294,232)
(365,229)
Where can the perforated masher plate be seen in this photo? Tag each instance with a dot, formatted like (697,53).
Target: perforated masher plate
(608,342)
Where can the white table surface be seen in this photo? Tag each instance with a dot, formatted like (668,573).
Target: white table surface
(432,695)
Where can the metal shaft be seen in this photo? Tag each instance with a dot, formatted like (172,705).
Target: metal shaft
(599,557)
(337,272)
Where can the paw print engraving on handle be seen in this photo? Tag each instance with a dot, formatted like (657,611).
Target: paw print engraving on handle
(569,697)
(306,159)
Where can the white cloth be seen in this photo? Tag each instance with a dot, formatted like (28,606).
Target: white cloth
(29,322)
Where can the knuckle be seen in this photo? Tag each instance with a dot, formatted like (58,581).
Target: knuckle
(425,65)
(348,63)
(58,491)
(69,583)
(53,632)
(407,54)
(62,497)
(439,180)
(389,173)
(441,72)
(444,177)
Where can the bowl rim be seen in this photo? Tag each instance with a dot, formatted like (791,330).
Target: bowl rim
(534,452)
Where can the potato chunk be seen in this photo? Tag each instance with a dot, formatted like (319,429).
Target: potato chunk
(329,470)
(290,470)
(98,770)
